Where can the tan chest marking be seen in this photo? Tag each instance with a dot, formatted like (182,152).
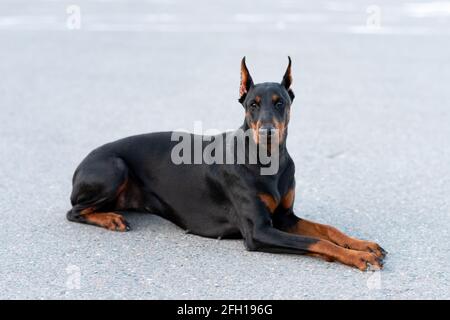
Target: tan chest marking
(270,202)
(288,200)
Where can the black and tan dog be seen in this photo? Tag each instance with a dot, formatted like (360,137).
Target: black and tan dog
(215,200)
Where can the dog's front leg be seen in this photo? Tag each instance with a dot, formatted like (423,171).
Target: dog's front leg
(268,239)
(286,220)
(314,229)
(255,219)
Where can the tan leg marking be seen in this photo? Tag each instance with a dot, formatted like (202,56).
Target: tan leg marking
(109,220)
(359,259)
(317,230)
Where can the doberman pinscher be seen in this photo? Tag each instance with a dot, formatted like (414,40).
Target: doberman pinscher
(218,200)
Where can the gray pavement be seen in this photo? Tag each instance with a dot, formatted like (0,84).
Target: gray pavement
(369,134)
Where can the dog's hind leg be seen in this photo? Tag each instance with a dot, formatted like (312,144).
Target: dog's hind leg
(98,187)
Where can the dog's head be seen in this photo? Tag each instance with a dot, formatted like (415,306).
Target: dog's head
(267,106)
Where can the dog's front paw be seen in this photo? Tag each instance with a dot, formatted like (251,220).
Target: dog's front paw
(365,261)
(367,246)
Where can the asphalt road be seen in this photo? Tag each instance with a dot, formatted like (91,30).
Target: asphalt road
(369,134)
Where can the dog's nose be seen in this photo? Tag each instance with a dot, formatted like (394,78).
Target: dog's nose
(267,130)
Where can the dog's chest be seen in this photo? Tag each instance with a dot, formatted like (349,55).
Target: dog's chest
(275,200)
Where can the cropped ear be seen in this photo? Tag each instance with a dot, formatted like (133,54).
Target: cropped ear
(246,81)
(287,80)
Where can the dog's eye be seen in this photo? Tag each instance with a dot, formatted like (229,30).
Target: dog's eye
(253,106)
(279,104)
